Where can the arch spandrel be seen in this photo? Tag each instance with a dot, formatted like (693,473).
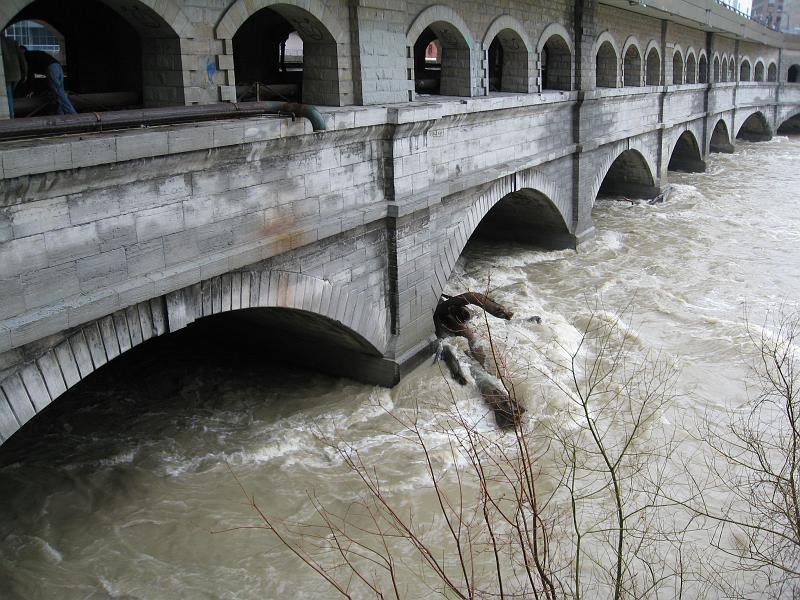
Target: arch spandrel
(323,22)
(507,22)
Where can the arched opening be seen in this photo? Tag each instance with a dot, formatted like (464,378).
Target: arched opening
(702,69)
(508,63)
(677,68)
(283,52)
(686,155)
(724,73)
(721,139)
(758,73)
(442,61)
(793,76)
(731,70)
(691,69)
(772,72)
(653,67)
(744,71)
(556,60)
(716,70)
(527,216)
(790,126)
(115,55)
(632,67)
(606,66)
(629,176)
(755,129)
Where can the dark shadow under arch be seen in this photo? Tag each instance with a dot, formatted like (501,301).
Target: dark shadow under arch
(527,216)
(790,126)
(606,66)
(450,73)
(508,63)
(629,176)
(721,139)
(686,155)
(755,129)
(556,60)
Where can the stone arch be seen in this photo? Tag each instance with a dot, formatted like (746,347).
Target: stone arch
(325,69)
(720,139)
(759,70)
(702,67)
(530,187)
(241,10)
(731,68)
(724,69)
(606,55)
(34,385)
(631,62)
(628,161)
(677,65)
(653,64)
(555,51)
(754,127)
(691,66)
(152,53)
(772,72)
(685,154)
(458,77)
(168,10)
(716,75)
(517,53)
(793,74)
(745,69)
(789,122)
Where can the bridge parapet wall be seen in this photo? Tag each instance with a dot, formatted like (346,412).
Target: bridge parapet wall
(755,94)
(684,103)
(610,115)
(721,97)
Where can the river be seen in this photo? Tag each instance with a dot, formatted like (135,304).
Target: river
(115,492)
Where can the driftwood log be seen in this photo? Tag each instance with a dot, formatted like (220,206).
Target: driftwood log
(451,318)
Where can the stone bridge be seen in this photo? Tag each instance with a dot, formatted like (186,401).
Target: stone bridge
(342,240)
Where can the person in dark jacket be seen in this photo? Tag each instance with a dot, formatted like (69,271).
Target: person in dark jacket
(43,63)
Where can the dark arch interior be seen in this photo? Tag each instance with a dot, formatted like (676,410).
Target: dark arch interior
(691,69)
(285,53)
(677,68)
(790,126)
(630,177)
(632,67)
(724,73)
(606,66)
(754,129)
(118,55)
(556,64)
(508,63)
(267,62)
(772,72)
(702,70)
(716,69)
(447,73)
(794,74)
(527,216)
(759,72)
(653,74)
(721,139)
(744,71)
(686,156)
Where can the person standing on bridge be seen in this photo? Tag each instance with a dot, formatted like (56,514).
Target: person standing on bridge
(14,67)
(42,63)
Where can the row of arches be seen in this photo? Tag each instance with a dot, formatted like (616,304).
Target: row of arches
(294,51)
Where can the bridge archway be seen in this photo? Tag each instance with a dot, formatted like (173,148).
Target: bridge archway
(755,128)
(509,54)
(702,68)
(324,314)
(691,67)
(686,155)
(790,124)
(628,173)
(555,55)
(758,72)
(653,74)
(453,73)
(716,69)
(720,138)
(677,66)
(793,74)
(606,56)
(129,52)
(631,63)
(285,49)
(731,68)
(772,72)
(744,70)
(724,72)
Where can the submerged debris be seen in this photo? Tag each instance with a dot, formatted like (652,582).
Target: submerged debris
(451,318)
